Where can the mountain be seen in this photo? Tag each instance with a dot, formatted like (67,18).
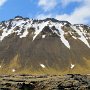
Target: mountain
(49,46)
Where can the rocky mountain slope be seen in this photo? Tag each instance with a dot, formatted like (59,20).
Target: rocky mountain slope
(48,45)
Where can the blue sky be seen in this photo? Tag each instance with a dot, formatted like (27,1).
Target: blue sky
(75,11)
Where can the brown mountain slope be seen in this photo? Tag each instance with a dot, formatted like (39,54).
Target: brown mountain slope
(44,46)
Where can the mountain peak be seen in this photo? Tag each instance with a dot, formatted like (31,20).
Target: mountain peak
(18,17)
(50,26)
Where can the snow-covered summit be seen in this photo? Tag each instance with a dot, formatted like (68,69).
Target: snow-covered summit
(62,29)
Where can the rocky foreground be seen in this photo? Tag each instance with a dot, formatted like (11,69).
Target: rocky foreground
(45,82)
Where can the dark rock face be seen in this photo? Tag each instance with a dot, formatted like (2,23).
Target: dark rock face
(26,86)
(43,44)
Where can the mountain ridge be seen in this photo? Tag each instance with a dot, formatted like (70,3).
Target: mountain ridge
(43,45)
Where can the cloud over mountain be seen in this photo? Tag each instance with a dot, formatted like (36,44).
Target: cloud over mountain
(47,5)
(80,14)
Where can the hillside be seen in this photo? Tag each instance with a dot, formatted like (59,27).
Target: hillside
(44,46)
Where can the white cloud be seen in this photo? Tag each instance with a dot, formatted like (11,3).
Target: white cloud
(2,2)
(43,16)
(67,2)
(79,15)
(47,5)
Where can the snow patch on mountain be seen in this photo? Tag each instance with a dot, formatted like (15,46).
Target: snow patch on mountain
(24,34)
(82,37)
(72,66)
(64,41)
(42,65)
(38,28)
(43,36)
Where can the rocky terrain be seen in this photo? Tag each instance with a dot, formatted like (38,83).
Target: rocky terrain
(45,82)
